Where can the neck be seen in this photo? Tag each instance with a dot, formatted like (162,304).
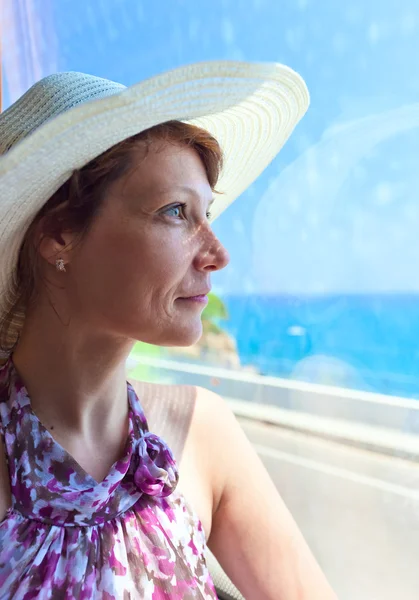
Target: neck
(74,377)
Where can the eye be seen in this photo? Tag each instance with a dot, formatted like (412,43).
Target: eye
(176,211)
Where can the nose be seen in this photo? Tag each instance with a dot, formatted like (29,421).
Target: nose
(212,255)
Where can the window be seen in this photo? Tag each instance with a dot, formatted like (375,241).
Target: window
(313,327)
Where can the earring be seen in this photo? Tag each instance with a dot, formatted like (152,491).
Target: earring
(59,265)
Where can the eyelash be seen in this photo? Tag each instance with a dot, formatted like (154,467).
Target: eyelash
(182,205)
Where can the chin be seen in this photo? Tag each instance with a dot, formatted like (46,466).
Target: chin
(184,338)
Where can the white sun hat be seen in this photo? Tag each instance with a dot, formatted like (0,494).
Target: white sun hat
(65,120)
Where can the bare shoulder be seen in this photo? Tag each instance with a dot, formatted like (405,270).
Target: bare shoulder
(5,500)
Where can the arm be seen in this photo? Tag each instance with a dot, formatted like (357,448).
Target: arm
(253,535)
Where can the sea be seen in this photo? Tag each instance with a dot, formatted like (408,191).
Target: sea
(366,342)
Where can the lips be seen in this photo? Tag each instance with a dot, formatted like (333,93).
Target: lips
(196,299)
(197,295)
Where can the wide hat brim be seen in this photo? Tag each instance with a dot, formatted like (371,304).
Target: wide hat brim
(250,108)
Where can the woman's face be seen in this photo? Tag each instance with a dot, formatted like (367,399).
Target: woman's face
(149,248)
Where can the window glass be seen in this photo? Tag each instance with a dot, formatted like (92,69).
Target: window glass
(313,326)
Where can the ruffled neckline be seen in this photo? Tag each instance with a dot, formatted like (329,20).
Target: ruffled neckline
(65,493)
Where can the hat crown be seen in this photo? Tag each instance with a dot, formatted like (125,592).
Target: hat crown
(48,98)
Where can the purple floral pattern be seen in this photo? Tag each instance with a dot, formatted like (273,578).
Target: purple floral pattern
(68,537)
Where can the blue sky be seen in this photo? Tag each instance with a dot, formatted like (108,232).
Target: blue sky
(337,211)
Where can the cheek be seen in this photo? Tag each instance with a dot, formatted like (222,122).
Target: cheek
(116,271)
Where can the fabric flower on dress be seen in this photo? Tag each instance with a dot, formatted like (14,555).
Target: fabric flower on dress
(156,473)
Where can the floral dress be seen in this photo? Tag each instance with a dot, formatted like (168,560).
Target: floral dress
(66,536)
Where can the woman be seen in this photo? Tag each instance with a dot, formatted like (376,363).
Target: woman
(106,200)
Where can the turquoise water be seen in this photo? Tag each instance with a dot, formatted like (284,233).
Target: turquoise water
(364,342)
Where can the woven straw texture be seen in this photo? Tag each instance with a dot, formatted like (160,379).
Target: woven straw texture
(67,119)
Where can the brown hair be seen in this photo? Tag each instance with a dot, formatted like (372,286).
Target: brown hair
(74,205)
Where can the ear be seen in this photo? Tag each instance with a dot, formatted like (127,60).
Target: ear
(52,247)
